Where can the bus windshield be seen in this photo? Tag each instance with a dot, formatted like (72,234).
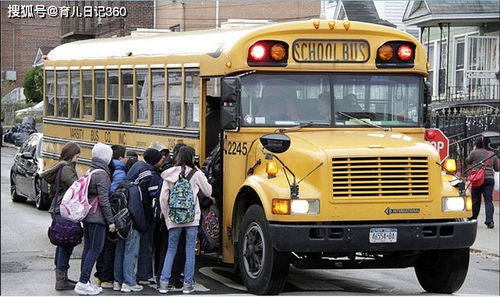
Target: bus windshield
(353,99)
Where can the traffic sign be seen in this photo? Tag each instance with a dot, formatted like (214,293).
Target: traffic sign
(440,142)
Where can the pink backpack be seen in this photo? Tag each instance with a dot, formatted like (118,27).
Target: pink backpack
(75,205)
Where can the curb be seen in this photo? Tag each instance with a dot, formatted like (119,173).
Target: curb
(488,253)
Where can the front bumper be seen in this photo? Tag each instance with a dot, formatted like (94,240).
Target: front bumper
(355,238)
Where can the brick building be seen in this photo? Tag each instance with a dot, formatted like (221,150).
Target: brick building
(198,15)
(21,39)
(22,36)
(127,16)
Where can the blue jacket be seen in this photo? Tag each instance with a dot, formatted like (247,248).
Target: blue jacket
(150,185)
(136,209)
(119,175)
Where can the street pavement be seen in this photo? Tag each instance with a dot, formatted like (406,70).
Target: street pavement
(488,240)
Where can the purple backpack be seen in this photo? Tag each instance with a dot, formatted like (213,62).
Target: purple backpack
(62,232)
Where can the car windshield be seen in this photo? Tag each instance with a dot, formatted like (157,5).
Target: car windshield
(353,99)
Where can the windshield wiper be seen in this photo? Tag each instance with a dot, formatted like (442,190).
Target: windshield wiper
(363,121)
(303,125)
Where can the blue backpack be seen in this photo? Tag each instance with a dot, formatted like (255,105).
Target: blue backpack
(181,201)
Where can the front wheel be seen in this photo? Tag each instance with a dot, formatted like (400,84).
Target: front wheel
(264,270)
(442,271)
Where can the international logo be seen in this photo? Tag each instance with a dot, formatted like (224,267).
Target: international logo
(389,210)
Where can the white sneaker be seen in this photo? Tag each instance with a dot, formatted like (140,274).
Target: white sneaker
(96,286)
(116,286)
(86,289)
(127,289)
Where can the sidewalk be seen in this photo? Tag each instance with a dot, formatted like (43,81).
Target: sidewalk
(488,240)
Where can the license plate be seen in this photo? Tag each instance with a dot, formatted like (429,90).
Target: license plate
(383,235)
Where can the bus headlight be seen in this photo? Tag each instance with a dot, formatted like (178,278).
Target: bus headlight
(295,206)
(453,204)
(303,206)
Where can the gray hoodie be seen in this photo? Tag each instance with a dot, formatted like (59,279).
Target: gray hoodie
(99,189)
(66,178)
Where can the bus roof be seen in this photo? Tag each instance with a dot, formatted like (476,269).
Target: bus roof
(223,51)
(161,44)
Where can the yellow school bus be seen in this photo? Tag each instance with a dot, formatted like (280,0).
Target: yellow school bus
(324,162)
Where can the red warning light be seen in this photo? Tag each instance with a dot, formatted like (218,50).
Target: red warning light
(405,52)
(258,52)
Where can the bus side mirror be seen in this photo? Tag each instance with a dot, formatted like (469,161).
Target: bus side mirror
(230,103)
(275,143)
(427,92)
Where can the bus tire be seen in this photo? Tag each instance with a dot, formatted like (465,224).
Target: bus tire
(264,271)
(442,271)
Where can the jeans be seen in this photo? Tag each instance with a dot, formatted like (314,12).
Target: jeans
(106,261)
(145,263)
(173,241)
(161,251)
(486,189)
(93,239)
(63,254)
(127,251)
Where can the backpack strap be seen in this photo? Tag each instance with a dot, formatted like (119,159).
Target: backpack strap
(143,175)
(56,195)
(191,173)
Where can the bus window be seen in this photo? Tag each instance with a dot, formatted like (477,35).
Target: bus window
(113,88)
(62,93)
(75,94)
(158,97)
(141,93)
(192,94)
(87,93)
(99,94)
(174,98)
(127,96)
(289,99)
(387,100)
(49,93)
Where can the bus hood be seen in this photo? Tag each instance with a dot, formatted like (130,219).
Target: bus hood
(360,143)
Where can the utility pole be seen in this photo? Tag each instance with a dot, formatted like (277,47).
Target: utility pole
(13,44)
(216,13)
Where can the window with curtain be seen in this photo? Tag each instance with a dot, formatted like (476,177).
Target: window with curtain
(49,93)
(100,84)
(113,88)
(127,95)
(459,64)
(87,93)
(141,94)
(157,97)
(75,94)
(191,100)
(174,97)
(62,93)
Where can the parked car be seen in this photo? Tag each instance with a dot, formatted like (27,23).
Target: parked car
(25,181)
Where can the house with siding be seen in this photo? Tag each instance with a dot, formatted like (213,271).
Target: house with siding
(462,41)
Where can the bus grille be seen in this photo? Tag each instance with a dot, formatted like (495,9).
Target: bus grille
(384,177)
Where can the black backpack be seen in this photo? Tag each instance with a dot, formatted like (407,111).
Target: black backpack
(119,207)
